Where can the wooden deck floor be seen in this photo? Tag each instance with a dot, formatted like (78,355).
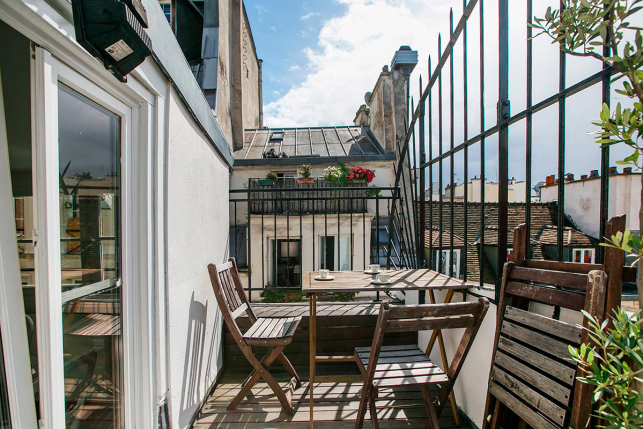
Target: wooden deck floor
(335,407)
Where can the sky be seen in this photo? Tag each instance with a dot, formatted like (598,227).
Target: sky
(321,57)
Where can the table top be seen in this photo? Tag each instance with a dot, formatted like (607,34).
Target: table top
(357,281)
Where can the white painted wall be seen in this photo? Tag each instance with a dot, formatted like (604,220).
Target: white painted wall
(582,200)
(197,234)
(360,243)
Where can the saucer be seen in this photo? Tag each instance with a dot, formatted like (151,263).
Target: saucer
(372,272)
(377,282)
(324,280)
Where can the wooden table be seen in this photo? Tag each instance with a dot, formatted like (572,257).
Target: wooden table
(358,281)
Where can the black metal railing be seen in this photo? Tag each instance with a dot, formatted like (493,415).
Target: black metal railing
(278,233)
(413,159)
(315,198)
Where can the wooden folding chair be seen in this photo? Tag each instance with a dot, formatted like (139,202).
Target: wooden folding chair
(407,365)
(275,333)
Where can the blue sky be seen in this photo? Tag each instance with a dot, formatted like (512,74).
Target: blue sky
(322,56)
(282,29)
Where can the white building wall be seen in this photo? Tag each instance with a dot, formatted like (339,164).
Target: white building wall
(261,242)
(582,201)
(197,234)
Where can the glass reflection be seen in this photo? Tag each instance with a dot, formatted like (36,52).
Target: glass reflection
(89,157)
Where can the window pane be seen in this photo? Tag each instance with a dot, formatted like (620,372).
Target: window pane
(89,156)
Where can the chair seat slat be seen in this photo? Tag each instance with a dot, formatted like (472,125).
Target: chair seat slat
(523,411)
(555,412)
(562,372)
(535,379)
(548,345)
(563,330)
(547,295)
(430,323)
(550,277)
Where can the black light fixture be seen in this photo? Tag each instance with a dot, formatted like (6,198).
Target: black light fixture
(113,31)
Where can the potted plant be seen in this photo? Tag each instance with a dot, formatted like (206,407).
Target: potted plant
(304,174)
(334,174)
(361,175)
(270,179)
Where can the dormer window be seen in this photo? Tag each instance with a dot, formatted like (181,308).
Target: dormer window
(277,135)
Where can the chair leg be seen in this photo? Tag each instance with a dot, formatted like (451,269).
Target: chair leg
(371,406)
(290,369)
(430,408)
(255,375)
(363,405)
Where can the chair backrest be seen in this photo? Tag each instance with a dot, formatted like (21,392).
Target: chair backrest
(408,318)
(230,295)
(530,371)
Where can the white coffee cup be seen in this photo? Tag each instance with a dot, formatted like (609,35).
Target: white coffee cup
(384,278)
(375,268)
(323,274)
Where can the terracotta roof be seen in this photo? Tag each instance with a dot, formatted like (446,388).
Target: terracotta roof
(571,237)
(542,214)
(433,237)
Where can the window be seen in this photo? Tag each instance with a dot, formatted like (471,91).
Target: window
(167,10)
(442,263)
(286,266)
(510,254)
(585,256)
(331,256)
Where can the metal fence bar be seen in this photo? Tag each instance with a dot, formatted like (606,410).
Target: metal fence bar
(528,130)
(451,145)
(605,155)
(503,137)
(561,152)
(465,125)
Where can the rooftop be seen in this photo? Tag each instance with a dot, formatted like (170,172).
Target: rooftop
(314,145)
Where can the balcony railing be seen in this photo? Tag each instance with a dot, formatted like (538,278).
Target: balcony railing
(279,232)
(307,198)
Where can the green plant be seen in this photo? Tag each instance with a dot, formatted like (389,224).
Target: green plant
(374,192)
(613,364)
(272,176)
(334,174)
(602,29)
(341,297)
(361,174)
(305,170)
(278,294)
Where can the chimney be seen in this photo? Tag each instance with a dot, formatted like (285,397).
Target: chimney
(612,171)
(569,177)
(402,65)
(593,174)
(362,117)
(550,180)
(583,176)
(627,170)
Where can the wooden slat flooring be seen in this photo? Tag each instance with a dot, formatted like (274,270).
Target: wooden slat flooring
(323,309)
(336,406)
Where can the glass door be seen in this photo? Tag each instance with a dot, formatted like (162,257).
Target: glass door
(89,137)
(78,213)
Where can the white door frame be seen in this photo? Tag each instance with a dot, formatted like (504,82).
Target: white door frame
(136,223)
(15,344)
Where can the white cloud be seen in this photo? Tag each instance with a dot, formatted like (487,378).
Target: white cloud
(309,15)
(295,68)
(272,28)
(349,54)
(276,92)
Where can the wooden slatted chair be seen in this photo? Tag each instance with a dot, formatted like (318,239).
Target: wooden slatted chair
(408,365)
(531,373)
(275,333)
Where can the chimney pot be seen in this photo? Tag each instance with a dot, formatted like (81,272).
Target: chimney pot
(569,177)
(550,180)
(583,176)
(612,171)
(593,174)
(627,170)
